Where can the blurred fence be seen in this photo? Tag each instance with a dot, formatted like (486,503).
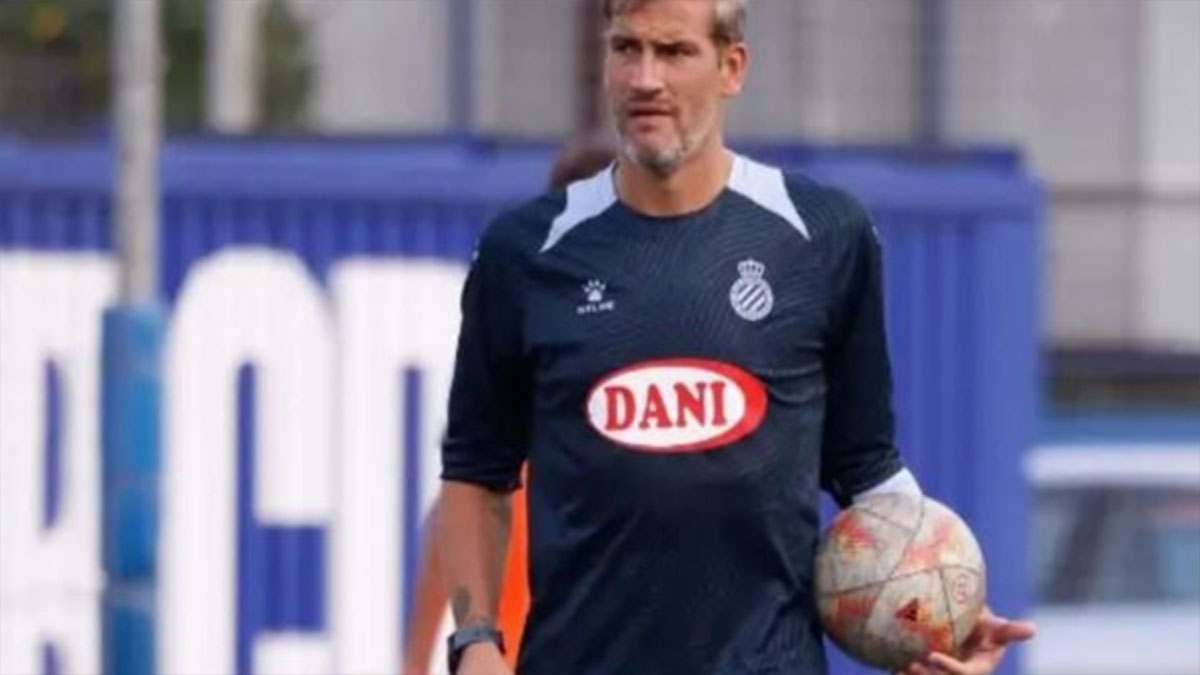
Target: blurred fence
(312,304)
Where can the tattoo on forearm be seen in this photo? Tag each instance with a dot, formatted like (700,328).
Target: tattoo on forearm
(502,510)
(460,604)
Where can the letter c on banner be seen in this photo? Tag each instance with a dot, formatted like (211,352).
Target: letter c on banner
(396,318)
(247,306)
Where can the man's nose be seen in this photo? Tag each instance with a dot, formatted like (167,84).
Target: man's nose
(647,75)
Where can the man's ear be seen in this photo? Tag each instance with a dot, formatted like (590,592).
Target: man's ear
(735,59)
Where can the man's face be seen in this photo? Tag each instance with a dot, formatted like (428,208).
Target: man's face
(666,80)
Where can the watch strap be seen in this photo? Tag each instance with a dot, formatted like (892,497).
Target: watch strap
(464,637)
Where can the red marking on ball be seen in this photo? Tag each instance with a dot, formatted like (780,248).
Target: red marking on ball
(937,637)
(926,555)
(910,612)
(849,611)
(852,536)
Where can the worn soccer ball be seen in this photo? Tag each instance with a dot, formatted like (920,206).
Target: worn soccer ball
(899,576)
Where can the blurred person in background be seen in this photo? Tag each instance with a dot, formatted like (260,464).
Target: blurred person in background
(578,159)
(659,545)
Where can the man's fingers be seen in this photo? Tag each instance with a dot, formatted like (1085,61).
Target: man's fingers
(949,664)
(918,669)
(1014,631)
(998,631)
(1001,631)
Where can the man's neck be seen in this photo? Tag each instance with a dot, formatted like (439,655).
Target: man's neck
(691,187)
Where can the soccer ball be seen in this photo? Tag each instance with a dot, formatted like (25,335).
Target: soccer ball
(899,576)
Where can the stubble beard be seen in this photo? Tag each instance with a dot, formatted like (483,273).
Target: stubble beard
(662,162)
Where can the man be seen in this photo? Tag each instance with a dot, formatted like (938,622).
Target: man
(685,348)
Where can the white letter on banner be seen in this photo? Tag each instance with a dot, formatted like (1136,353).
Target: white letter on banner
(392,315)
(256,307)
(50,571)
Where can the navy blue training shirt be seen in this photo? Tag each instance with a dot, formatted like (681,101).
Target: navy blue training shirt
(682,388)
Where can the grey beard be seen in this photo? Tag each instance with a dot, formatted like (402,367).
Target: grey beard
(660,163)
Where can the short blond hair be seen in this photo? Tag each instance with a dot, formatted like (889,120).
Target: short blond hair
(729,17)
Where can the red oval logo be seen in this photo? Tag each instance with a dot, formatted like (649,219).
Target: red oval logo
(677,405)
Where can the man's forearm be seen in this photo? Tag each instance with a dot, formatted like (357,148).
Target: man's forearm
(473,525)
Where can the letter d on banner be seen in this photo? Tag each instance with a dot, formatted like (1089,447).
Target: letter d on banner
(50,574)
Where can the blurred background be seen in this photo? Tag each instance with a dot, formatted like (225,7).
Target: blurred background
(325,167)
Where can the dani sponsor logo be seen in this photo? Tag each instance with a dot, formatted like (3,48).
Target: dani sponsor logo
(677,405)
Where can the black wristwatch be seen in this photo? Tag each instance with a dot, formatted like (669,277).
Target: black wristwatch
(462,638)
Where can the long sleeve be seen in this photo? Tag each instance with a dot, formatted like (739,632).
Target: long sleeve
(858,449)
(488,421)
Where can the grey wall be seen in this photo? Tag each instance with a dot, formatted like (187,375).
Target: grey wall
(1104,98)
(831,70)
(527,61)
(381,65)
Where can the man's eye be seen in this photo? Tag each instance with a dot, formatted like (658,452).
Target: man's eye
(672,51)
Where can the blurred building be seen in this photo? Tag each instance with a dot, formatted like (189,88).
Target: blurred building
(1101,97)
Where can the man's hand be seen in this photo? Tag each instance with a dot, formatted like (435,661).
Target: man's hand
(983,650)
(483,658)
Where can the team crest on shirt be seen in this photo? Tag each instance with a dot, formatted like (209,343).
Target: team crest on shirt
(751,295)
